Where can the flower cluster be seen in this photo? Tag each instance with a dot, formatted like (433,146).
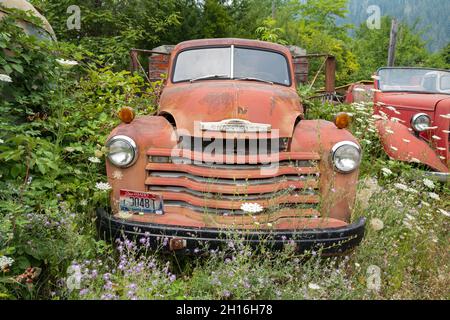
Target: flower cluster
(251,208)
(94,159)
(5,78)
(103,186)
(66,63)
(5,263)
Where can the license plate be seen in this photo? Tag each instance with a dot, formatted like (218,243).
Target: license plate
(140,202)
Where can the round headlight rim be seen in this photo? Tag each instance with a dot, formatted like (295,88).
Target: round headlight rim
(130,142)
(336,148)
(417,116)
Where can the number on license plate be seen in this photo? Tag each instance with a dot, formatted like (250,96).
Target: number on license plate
(140,202)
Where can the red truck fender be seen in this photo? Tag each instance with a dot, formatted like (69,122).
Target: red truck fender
(401,144)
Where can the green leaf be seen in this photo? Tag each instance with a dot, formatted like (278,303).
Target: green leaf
(17,67)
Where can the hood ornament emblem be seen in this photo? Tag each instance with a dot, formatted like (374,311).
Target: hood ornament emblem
(235,125)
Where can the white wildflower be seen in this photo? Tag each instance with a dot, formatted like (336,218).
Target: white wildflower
(94,159)
(407,224)
(426,203)
(69,149)
(84,202)
(434,196)
(386,172)
(394,148)
(66,63)
(5,262)
(251,207)
(314,286)
(428,183)
(445,213)
(376,224)
(401,187)
(390,131)
(436,138)
(441,149)
(5,78)
(1,141)
(415,160)
(392,109)
(270,225)
(367,141)
(103,186)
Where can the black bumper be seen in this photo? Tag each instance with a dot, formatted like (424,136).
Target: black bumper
(193,240)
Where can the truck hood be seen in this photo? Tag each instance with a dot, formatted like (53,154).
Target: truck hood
(420,101)
(214,101)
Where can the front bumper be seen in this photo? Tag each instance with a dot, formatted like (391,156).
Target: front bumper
(193,240)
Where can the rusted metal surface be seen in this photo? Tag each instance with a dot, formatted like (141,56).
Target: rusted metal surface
(203,193)
(394,137)
(430,147)
(214,101)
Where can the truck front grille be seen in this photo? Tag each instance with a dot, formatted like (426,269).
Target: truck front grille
(292,182)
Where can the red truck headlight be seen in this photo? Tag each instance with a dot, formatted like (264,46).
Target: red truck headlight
(346,156)
(122,151)
(421,122)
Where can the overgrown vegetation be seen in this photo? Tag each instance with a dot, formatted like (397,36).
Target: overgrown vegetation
(55,119)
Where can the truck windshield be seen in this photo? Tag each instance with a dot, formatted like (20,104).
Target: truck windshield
(414,80)
(231,63)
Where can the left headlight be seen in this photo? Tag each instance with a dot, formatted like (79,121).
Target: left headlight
(122,151)
(346,156)
(421,122)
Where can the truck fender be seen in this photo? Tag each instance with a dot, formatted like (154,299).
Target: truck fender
(148,132)
(401,144)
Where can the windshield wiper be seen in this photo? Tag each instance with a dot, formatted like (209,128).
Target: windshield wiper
(211,76)
(254,79)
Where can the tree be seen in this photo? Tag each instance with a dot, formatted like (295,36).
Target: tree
(370,48)
(312,26)
(109,28)
(216,20)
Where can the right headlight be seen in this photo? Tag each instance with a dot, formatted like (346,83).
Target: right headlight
(122,151)
(421,122)
(346,156)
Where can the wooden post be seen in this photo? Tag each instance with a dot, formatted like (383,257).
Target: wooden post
(330,75)
(392,43)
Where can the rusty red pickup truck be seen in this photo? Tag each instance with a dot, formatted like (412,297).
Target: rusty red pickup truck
(413,110)
(229,153)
